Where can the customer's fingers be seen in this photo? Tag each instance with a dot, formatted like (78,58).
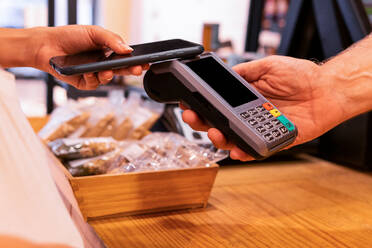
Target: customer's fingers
(136,70)
(91,82)
(106,38)
(105,77)
(145,67)
(191,118)
(133,70)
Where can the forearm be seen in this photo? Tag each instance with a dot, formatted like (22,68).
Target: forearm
(349,77)
(18,47)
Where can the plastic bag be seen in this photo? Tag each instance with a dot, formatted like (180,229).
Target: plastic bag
(69,149)
(181,152)
(162,151)
(102,115)
(143,115)
(157,151)
(97,165)
(124,114)
(63,122)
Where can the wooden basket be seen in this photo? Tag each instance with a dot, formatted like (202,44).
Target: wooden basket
(142,192)
(138,192)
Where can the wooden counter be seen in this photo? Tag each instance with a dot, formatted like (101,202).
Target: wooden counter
(302,203)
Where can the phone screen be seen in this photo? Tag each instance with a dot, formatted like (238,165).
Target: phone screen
(139,50)
(221,80)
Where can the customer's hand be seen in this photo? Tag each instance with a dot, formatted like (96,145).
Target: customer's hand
(296,87)
(73,39)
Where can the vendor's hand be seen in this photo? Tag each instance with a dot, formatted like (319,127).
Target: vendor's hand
(296,87)
(73,39)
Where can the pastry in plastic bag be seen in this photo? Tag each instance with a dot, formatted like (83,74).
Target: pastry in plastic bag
(69,149)
(109,129)
(101,115)
(63,122)
(122,129)
(145,117)
(94,129)
(97,165)
(140,159)
(162,151)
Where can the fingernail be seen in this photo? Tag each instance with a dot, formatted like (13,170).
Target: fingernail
(125,46)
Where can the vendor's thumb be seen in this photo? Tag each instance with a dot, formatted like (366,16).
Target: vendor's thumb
(252,71)
(105,38)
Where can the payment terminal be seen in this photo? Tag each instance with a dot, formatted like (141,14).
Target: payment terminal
(224,100)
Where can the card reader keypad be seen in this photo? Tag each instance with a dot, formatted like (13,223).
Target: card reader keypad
(252,122)
(245,115)
(267,115)
(260,118)
(260,108)
(252,112)
(268,122)
(260,129)
(268,125)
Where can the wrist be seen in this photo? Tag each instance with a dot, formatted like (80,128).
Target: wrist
(17,47)
(38,41)
(350,85)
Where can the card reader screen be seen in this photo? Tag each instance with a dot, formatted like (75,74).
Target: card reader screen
(221,80)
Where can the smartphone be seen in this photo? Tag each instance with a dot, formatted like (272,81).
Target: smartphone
(100,60)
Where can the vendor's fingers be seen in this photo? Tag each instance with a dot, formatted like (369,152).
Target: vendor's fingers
(254,70)
(219,139)
(237,154)
(105,76)
(221,142)
(191,118)
(91,81)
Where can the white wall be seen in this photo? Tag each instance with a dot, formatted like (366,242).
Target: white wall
(164,19)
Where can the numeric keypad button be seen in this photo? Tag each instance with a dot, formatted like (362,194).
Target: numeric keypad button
(245,115)
(252,112)
(260,118)
(283,129)
(260,129)
(267,115)
(275,122)
(260,108)
(268,125)
(268,137)
(276,133)
(252,122)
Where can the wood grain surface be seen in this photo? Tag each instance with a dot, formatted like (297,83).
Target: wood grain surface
(143,192)
(303,203)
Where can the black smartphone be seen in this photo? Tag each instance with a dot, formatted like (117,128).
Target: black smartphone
(100,60)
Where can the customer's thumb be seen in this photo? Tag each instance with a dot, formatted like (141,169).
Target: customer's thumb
(106,38)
